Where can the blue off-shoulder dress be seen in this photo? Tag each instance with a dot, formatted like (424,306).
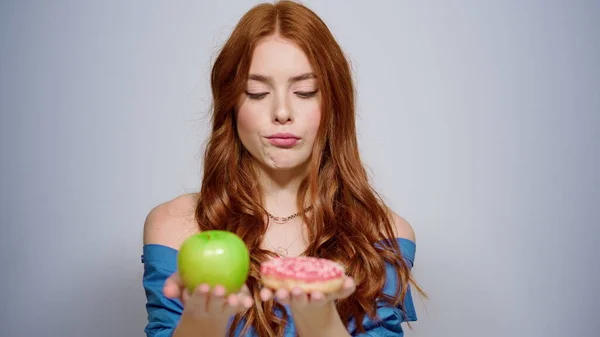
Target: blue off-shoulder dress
(164,313)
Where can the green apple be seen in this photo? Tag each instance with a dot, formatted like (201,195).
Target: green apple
(214,257)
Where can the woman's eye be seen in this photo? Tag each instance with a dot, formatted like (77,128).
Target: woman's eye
(258,95)
(306,94)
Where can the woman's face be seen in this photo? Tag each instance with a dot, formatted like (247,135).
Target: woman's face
(278,115)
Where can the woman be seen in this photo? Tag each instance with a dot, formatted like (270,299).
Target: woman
(282,171)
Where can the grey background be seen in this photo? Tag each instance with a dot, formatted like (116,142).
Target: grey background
(478,120)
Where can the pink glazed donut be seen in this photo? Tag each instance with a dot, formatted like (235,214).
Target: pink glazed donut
(307,273)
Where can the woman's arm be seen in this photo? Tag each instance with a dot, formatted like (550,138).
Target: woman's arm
(328,323)
(325,322)
(207,311)
(314,314)
(190,326)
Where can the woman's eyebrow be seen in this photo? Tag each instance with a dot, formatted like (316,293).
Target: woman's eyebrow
(269,79)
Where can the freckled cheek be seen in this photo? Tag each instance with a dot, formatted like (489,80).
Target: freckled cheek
(314,120)
(247,123)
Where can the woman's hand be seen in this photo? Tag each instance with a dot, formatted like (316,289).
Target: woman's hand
(205,303)
(314,313)
(301,301)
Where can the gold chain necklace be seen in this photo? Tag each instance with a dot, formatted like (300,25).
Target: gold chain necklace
(280,250)
(282,220)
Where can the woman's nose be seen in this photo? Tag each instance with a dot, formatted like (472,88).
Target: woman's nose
(282,111)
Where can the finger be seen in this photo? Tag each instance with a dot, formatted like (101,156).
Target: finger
(236,303)
(233,301)
(299,297)
(244,302)
(282,296)
(216,300)
(173,286)
(318,298)
(247,302)
(245,290)
(266,294)
(200,297)
(347,289)
(185,297)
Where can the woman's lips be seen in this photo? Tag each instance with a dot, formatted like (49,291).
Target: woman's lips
(283,139)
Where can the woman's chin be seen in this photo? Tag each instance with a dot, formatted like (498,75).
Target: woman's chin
(286,165)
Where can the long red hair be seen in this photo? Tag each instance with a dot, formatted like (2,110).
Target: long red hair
(347,215)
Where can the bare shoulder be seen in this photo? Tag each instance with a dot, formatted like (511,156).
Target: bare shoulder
(402,229)
(171,222)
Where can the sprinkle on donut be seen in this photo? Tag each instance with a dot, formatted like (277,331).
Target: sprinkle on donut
(303,268)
